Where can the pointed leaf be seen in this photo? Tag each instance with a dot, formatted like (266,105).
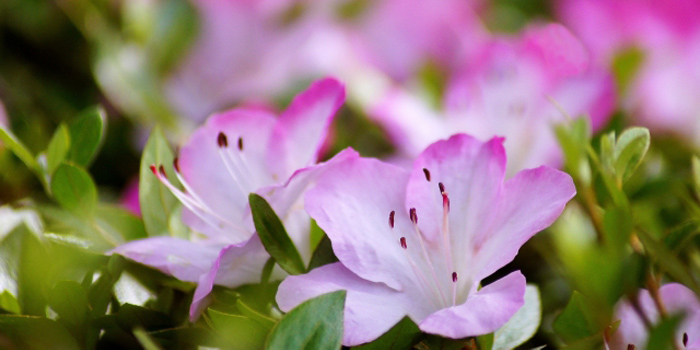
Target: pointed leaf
(69,300)
(249,312)
(574,322)
(86,133)
(403,336)
(314,324)
(73,189)
(15,145)
(274,237)
(58,148)
(630,149)
(523,325)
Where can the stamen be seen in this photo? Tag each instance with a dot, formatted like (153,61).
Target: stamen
(445,202)
(446,239)
(631,347)
(161,169)
(153,169)
(403,243)
(413,215)
(685,339)
(391,218)
(221,140)
(240,143)
(176,164)
(454,276)
(441,186)
(427,174)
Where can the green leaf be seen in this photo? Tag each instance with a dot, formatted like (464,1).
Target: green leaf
(58,148)
(9,303)
(523,325)
(274,237)
(314,324)
(247,311)
(630,149)
(696,175)
(15,145)
(239,332)
(145,339)
(574,323)
(38,333)
(69,300)
(667,260)
(86,132)
(73,189)
(661,337)
(485,342)
(132,316)
(158,205)
(120,223)
(574,139)
(323,254)
(403,336)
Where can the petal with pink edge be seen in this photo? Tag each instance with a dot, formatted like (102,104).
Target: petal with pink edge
(180,258)
(482,313)
(371,308)
(299,134)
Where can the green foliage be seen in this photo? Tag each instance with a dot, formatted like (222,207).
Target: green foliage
(36,333)
(86,133)
(58,148)
(73,189)
(274,236)
(314,324)
(523,325)
(239,332)
(403,336)
(577,321)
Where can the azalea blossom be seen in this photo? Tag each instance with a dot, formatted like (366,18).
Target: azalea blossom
(233,154)
(517,87)
(419,243)
(674,299)
(666,36)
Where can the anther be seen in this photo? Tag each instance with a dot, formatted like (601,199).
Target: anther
(427,174)
(240,143)
(631,347)
(403,243)
(221,140)
(441,187)
(176,164)
(391,218)
(685,339)
(454,276)
(413,215)
(153,169)
(161,169)
(445,201)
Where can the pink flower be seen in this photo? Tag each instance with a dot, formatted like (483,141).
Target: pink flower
(419,243)
(676,299)
(514,87)
(233,154)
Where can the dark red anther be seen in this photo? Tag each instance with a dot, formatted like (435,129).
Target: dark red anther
(176,164)
(161,169)
(153,169)
(391,218)
(413,215)
(222,140)
(685,339)
(454,276)
(631,347)
(427,174)
(403,243)
(240,143)
(441,187)
(445,201)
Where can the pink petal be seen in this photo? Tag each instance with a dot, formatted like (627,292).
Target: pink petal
(482,313)
(352,204)
(234,266)
(371,309)
(561,52)
(298,135)
(530,202)
(208,176)
(180,258)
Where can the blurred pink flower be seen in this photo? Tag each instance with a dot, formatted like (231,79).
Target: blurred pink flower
(514,87)
(236,153)
(663,94)
(676,299)
(406,247)
(130,197)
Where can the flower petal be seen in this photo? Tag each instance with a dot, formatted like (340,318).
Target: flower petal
(352,203)
(371,308)
(298,135)
(224,191)
(235,266)
(180,258)
(530,202)
(482,313)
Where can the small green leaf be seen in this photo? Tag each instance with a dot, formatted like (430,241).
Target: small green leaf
(661,337)
(58,148)
(238,331)
(69,300)
(73,189)
(574,322)
(145,339)
(485,342)
(630,149)
(120,223)
(323,254)
(274,237)
(15,145)
(28,332)
(158,205)
(403,336)
(86,132)
(523,325)
(9,303)
(314,324)
(249,312)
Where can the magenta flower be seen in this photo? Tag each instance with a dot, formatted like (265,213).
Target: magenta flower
(516,87)
(419,243)
(676,299)
(233,154)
